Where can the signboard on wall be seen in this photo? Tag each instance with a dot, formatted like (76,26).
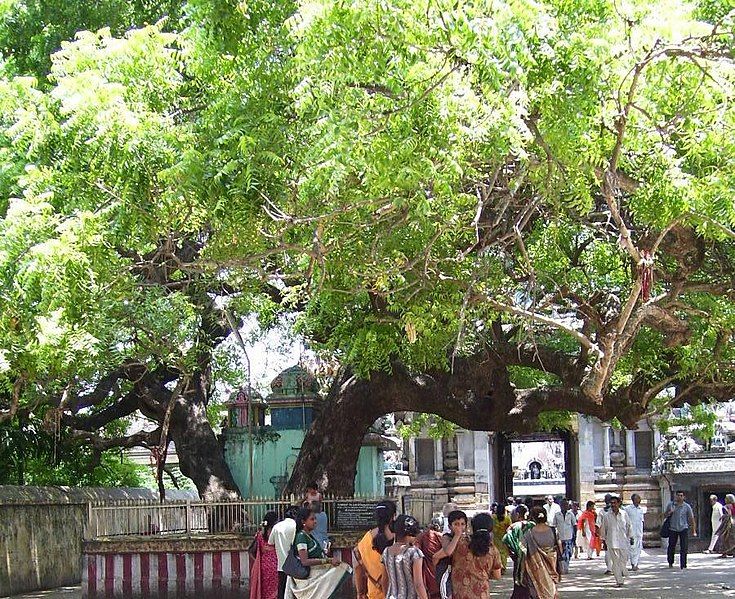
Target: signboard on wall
(353,515)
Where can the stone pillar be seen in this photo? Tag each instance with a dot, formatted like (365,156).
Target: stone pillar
(451,463)
(630,448)
(439,458)
(606,445)
(586,459)
(492,471)
(617,452)
(482,466)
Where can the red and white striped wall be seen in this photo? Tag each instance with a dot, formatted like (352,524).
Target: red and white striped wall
(162,574)
(190,574)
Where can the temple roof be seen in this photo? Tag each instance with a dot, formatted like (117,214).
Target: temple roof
(295,381)
(240,397)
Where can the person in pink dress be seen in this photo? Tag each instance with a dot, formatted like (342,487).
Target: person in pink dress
(264,562)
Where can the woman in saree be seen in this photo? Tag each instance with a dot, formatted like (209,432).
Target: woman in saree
(501,522)
(726,530)
(264,562)
(367,553)
(512,540)
(430,543)
(326,575)
(591,542)
(475,561)
(541,550)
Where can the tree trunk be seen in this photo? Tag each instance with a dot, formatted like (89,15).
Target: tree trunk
(477,395)
(474,396)
(200,454)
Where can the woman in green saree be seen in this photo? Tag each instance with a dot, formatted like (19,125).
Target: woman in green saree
(326,574)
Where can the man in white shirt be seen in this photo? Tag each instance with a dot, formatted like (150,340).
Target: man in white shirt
(600,513)
(282,537)
(717,509)
(565,523)
(618,536)
(636,514)
(552,509)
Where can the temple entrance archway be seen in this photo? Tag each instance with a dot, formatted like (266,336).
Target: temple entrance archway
(538,464)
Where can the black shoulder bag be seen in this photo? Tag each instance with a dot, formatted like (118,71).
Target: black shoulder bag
(294,568)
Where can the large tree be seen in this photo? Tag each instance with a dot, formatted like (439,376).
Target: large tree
(483,212)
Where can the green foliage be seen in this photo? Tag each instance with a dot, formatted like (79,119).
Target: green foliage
(698,419)
(265,434)
(392,176)
(555,420)
(31,456)
(434,426)
(32,30)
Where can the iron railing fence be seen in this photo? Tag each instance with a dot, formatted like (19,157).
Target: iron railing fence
(152,518)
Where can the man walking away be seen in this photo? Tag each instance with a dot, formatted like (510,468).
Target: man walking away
(636,514)
(282,537)
(552,509)
(681,520)
(565,524)
(618,536)
(717,510)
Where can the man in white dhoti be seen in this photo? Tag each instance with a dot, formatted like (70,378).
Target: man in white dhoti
(600,514)
(636,513)
(717,509)
(618,536)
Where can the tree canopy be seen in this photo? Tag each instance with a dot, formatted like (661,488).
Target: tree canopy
(484,211)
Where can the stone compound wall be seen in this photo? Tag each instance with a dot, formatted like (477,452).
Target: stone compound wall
(40,546)
(42,530)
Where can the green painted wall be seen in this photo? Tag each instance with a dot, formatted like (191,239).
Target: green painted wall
(276,459)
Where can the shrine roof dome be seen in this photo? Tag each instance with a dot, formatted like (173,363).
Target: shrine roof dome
(294,381)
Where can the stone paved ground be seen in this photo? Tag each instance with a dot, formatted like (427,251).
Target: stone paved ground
(706,576)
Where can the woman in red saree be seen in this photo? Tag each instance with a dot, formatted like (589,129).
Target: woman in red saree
(264,563)
(430,543)
(591,542)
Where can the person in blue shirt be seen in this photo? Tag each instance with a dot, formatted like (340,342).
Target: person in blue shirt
(321,531)
(681,519)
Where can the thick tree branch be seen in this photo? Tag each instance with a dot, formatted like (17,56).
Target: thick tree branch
(92,422)
(552,322)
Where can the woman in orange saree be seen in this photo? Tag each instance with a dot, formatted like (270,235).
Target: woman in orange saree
(368,568)
(591,542)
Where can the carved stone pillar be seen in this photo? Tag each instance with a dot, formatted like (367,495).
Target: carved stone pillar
(617,452)
(451,462)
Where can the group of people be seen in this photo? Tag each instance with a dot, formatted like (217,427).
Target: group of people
(616,529)
(723,526)
(457,558)
(298,541)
